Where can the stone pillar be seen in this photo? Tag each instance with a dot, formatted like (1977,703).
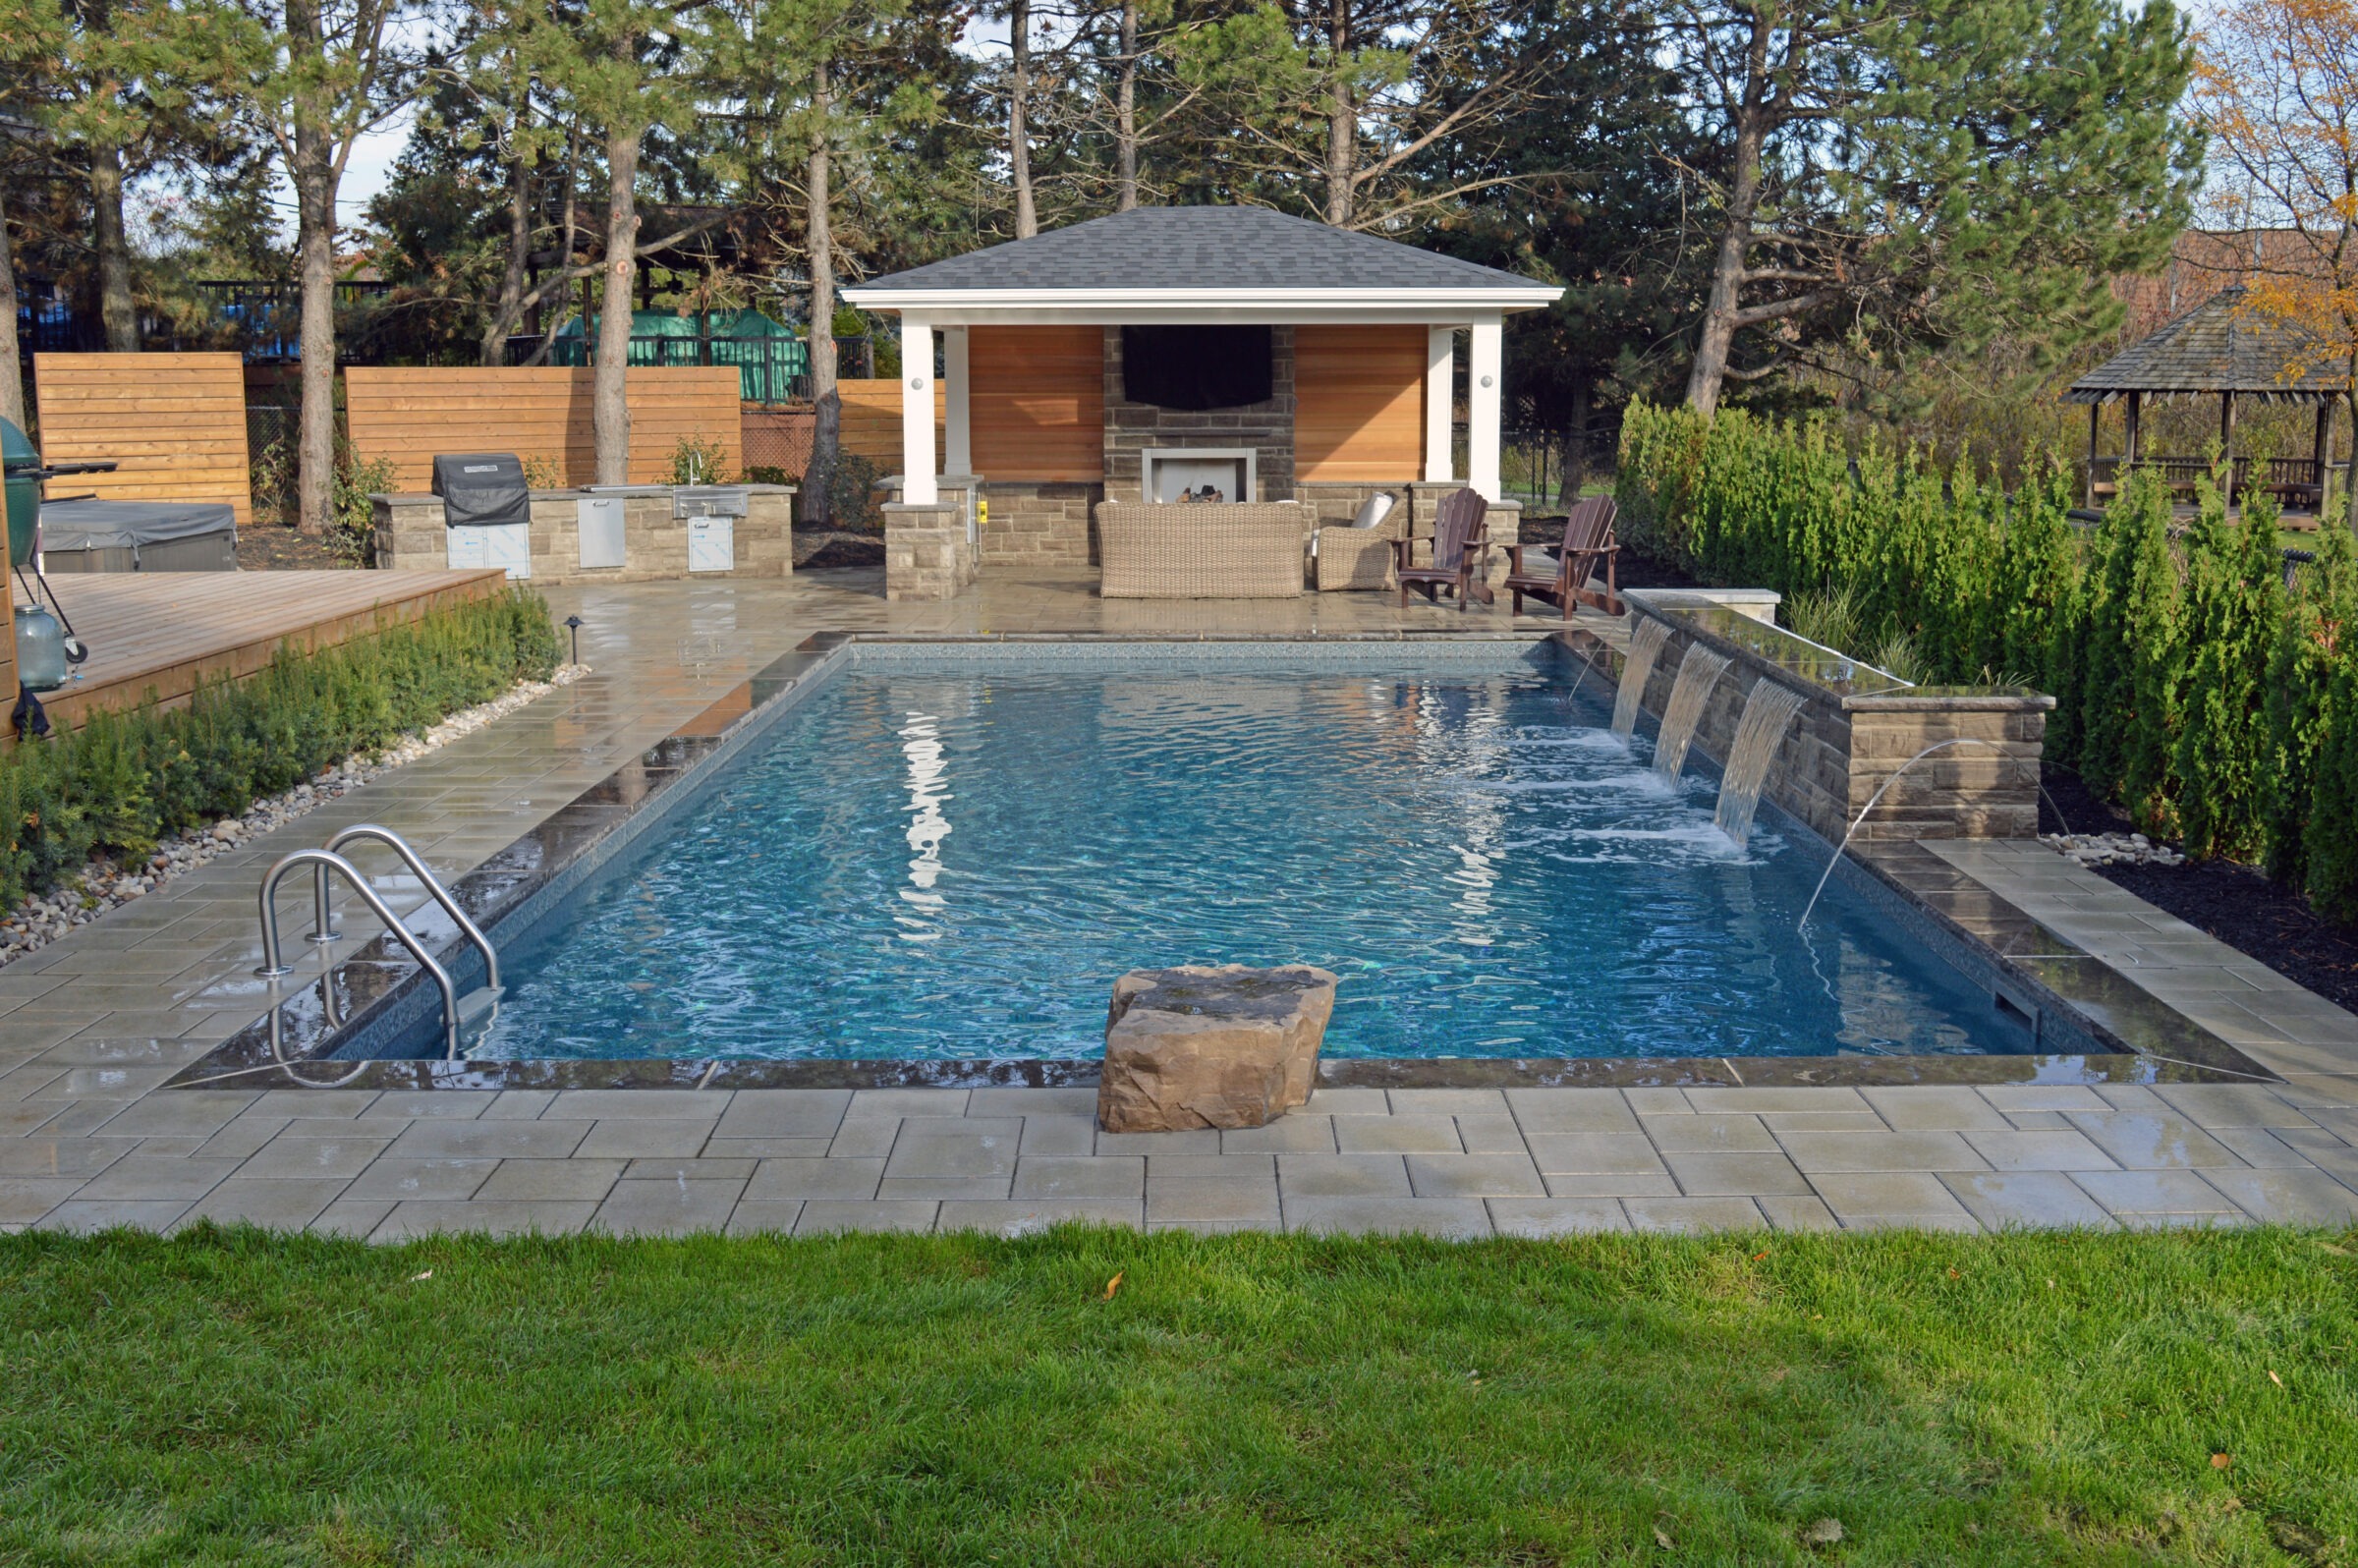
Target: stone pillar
(1485,371)
(1441,391)
(919,467)
(926,554)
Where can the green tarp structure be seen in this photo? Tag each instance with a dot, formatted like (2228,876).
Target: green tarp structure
(771,357)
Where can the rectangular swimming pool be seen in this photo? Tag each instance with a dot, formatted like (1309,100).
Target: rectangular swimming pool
(950,852)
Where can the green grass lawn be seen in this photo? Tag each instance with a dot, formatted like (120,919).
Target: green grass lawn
(233,1398)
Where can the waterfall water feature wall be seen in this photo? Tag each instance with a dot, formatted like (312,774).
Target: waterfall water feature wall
(1853,727)
(1699,673)
(1646,640)
(1768,713)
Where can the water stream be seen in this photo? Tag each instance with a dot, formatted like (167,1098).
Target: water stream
(1698,673)
(1758,733)
(1646,640)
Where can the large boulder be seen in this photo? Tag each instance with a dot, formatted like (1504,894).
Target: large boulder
(1204,1047)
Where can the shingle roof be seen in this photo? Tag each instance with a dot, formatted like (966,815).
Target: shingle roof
(2219,345)
(1200,247)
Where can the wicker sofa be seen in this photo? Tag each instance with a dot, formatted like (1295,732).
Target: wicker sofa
(1200,550)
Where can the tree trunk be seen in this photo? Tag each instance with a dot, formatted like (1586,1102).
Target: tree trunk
(1576,444)
(12,366)
(609,409)
(313,174)
(1343,119)
(118,315)
(570,225)
(510,310)
(827,427)
(1125,115)
(1019,136)
(1721,316)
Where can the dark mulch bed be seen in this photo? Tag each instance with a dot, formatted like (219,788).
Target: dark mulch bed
(275,547)
(818,549)
(2236,903)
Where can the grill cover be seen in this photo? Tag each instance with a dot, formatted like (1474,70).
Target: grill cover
(481,489)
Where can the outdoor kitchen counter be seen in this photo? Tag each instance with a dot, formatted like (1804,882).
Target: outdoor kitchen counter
(408,533)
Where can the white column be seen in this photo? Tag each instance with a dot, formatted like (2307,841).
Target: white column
(918,476)
(957,443)
(1486,370)
(1441,386)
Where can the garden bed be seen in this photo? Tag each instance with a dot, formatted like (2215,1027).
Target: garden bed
(2237,905)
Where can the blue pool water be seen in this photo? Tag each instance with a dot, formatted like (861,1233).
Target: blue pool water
(957,863)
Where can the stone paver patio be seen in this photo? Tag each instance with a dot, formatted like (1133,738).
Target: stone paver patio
(90,1027)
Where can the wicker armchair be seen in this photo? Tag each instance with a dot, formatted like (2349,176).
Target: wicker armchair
(1200,550)
(1356,558)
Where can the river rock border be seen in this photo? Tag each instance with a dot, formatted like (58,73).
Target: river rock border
(103,884)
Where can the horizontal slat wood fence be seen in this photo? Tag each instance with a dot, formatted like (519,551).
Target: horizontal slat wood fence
(408,414)
(871,421)
(174,422)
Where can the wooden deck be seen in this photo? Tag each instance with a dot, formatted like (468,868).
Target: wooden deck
(153,636)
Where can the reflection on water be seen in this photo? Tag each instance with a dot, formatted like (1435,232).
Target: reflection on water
(929,773)
(1491,870)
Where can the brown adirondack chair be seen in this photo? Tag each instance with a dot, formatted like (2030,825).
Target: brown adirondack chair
(1588,539)
(1460,542)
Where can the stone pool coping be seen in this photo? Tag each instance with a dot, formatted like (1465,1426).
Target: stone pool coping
(2140,1036)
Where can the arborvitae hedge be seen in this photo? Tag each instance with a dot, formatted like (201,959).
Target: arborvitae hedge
(123,780)
(2191,686)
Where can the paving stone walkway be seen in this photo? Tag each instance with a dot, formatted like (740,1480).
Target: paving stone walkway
(92,1026)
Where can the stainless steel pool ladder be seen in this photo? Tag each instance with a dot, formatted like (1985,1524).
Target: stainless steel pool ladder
(462,1017)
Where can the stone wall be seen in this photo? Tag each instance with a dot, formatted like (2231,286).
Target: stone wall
(1841,747)
(1267,427)
(926,554)
(1039,525)
(409,535)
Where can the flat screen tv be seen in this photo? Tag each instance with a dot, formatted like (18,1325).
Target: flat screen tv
(1196,366)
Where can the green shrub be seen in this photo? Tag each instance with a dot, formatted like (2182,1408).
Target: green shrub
(123,780)
(2190,687)
(350,522)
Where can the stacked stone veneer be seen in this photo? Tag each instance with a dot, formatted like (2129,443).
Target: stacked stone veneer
(1267,426)
(1842,749)
(409,534)
(1039,525)
(927,552)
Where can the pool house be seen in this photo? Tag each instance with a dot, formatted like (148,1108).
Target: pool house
(1175,356)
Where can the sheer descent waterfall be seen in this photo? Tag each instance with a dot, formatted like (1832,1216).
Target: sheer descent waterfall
(1758,733)
(1698,673)
(1646,640)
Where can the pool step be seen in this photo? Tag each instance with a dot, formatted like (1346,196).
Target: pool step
(478,1010)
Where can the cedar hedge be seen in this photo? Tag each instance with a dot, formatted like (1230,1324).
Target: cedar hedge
(2192,686)
(122,781)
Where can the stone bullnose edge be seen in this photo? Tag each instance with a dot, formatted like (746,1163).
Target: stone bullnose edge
(380,988)
(727,1075)
(1950,699)
(820,642)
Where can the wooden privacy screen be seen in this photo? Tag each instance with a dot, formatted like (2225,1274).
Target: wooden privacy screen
(175,423)
(408,414)
(1359,403)
(871,421)
(1035,402)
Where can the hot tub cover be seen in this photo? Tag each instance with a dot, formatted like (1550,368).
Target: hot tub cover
(124,525)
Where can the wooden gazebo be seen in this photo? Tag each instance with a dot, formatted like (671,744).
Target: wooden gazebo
(2222,347)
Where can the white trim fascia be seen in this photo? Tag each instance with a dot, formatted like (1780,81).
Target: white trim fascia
(1143,307)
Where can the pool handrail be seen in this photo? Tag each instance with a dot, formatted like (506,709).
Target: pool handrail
(273,965)
(325,929)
